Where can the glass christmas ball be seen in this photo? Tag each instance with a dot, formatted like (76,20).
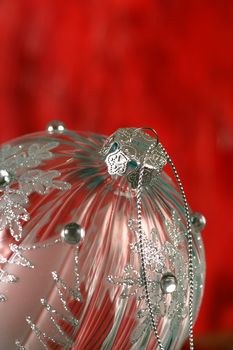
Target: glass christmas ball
(71,275)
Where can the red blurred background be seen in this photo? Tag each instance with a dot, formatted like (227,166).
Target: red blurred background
(167,64)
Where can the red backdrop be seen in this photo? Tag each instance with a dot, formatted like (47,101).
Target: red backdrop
(100,65)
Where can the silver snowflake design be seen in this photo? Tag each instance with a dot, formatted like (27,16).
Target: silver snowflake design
(174,229)
(13,212)
(65,293)
(156,257)
(19,165)
(132,282)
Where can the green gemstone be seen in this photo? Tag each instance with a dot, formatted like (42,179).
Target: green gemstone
(133,164)
(113,147)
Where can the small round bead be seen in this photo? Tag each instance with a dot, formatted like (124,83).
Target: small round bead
(5,178)
(55,127)
(73,233)
(168,283)
(198,221)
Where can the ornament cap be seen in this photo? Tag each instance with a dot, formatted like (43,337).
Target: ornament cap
(125,150)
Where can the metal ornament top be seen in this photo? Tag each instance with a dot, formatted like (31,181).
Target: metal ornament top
(124,153)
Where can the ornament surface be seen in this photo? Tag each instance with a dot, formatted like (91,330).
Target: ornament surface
(70,271)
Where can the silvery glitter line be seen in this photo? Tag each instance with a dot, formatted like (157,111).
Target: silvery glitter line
(61,285)
(40,246)
(19,346)
(76,272)
(5,277)
(71,320)
(67,342)
(18,258)
(44,337)
(75,293)
(3,298)
(37,332)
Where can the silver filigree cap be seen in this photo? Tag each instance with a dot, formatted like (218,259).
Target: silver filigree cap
(126,148)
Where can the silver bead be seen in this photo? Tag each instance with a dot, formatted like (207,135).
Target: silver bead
(72,233)
(5,178)
(55,127)
(198,221)
(168,283)
(3,298)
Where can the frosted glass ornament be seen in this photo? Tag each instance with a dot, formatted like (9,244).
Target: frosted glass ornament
(89,295)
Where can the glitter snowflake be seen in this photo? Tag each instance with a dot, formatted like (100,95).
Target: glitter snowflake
(174,229)
(156,257)
(153,255)
(60,338)
(23,179)
(132,281)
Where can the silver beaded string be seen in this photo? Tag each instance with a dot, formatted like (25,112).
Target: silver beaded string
(190,249)
(141,252)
